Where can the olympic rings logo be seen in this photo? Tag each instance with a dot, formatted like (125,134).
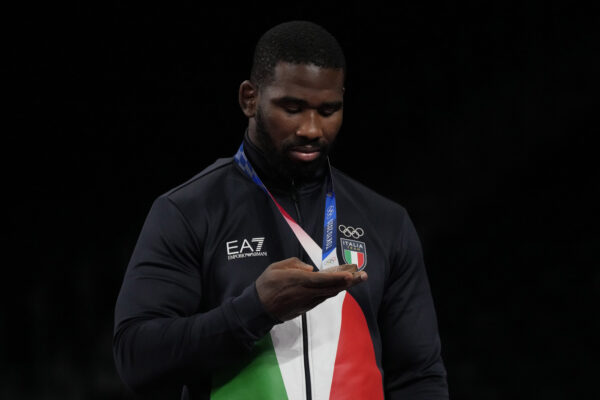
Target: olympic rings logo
(349,231)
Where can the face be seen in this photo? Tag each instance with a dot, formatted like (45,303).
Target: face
(297,117)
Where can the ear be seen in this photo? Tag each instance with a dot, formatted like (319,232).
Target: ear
(248,97)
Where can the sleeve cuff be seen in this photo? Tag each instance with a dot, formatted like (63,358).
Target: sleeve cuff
(251,314)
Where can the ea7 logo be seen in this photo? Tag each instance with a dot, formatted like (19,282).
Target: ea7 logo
(245,248)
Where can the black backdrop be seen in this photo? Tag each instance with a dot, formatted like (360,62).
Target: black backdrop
(478,118)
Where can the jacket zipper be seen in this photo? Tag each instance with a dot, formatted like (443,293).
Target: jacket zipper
(307,379)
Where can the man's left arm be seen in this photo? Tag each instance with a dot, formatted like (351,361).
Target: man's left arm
(412,362)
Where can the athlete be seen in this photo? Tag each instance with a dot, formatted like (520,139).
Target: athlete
(273,275)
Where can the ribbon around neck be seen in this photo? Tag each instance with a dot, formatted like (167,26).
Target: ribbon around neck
(321,257)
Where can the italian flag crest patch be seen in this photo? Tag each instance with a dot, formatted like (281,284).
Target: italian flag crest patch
(354,252)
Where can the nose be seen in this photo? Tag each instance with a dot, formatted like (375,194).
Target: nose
(311,126)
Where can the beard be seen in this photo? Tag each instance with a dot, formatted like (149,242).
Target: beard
(280,161)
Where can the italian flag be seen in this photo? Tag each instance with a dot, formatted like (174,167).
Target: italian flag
(354,257)
(341,359)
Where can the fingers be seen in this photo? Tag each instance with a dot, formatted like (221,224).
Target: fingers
(358,277)
(340,268)
(330,279)
(338,278)
(323,293)
(292,263)
(290,287)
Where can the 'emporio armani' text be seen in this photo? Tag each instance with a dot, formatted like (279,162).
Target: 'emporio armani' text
(245,248)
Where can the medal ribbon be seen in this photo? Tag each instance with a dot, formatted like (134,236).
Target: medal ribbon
(321,258)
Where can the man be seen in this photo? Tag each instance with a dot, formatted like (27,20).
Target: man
(229,296)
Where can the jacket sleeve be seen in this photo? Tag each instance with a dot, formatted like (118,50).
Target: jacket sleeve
(412,362)
(160,339)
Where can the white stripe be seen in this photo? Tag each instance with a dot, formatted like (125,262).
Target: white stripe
(326,319)
(287,341)
(310,246)
(353,258)
(324,325)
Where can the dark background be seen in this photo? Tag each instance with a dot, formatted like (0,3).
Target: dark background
(478,118)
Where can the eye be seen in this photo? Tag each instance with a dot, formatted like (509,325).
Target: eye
(328,110)
(292,108)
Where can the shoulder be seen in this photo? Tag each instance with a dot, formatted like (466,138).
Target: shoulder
(365,197)
(389,220)
(202,180)
(212,185)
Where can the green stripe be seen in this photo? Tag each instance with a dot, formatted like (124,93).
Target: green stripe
(348,256)
(255,377)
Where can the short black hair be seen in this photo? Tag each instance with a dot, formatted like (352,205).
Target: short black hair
(296,42)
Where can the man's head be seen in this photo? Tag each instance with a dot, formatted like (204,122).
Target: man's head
(294,99)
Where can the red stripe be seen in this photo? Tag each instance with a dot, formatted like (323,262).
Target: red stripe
(355,375)
(281,210)
(361,260)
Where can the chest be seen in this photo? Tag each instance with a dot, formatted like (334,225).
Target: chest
(245,241)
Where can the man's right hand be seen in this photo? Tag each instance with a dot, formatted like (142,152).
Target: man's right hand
(290,287)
